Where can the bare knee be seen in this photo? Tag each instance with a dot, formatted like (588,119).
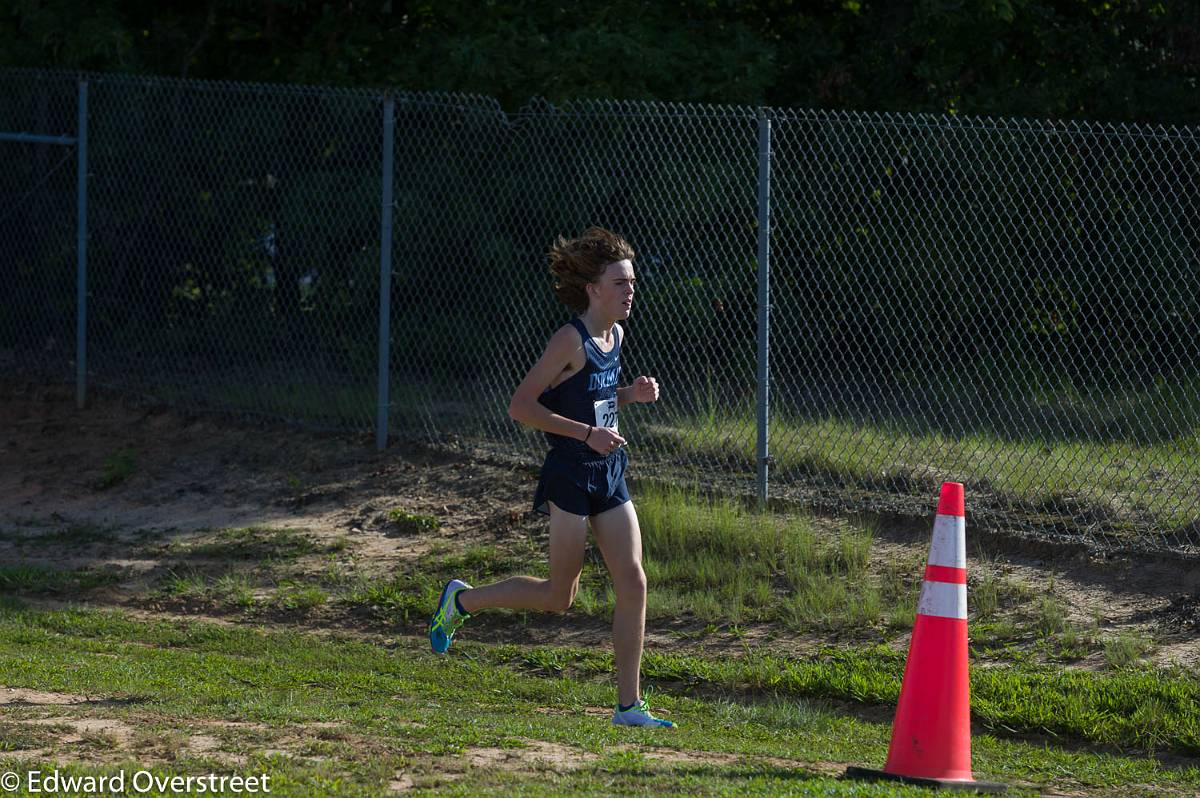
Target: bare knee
(630,582)
(560,600)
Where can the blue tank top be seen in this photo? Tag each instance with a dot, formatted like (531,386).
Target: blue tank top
(575,397)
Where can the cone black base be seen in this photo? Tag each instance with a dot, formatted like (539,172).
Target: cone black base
(866,774)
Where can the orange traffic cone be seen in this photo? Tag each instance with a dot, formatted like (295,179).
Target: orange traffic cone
(931,736)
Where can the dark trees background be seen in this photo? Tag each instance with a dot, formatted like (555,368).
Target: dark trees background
(1130,60)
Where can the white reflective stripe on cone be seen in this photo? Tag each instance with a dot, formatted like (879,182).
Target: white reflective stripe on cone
(943,600)
(949,546)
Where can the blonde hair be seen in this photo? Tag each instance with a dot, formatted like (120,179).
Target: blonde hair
(576,262)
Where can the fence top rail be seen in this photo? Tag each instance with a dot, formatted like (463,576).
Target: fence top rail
(198,84)
(35,138)
(538,107)
(988,124)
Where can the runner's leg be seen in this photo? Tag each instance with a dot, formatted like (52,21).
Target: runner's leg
(620,540)
(568,537)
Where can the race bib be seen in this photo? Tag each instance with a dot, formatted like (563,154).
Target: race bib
(606,413)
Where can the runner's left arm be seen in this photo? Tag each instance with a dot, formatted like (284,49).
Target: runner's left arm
(643,389)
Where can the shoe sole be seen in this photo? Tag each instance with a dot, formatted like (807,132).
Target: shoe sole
(645,725)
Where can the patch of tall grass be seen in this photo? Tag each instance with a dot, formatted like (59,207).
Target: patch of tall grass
(717,560)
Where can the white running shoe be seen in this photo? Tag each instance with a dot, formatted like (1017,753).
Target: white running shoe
(639,715)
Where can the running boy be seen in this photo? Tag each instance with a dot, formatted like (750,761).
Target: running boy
(571,394)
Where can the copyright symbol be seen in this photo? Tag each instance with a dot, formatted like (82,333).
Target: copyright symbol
(10,782)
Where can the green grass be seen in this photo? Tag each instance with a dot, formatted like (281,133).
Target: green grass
(232,588)
(33,578)
(185,583)
(1126,650)
(1074,643)
(22,737)
(1050,615)
(300,597)
(1154,709)
(713,559)
(406,523)
(235,590)
(403,597)
(706,559)
(1099,479)
(714,563)
(749,725)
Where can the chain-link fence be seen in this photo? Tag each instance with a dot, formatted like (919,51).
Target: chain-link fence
(37,226)
(1009,303)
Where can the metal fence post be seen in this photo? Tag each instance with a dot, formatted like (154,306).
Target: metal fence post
(385,271)
(81,141)
(764,297)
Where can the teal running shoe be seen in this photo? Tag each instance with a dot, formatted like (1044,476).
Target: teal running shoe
(639,715)
(447,619)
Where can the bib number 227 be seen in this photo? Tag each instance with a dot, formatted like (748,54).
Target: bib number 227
(606,413)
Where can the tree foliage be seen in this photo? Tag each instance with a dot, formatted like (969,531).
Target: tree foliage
(1130,60)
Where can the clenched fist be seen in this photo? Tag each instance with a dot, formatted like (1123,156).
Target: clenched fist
(645,389)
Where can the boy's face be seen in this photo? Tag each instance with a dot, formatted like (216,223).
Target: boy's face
(611,295)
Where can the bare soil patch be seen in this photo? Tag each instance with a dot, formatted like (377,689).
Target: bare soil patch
(19,695)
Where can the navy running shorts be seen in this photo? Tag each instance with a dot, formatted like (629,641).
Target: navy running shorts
(581,484)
